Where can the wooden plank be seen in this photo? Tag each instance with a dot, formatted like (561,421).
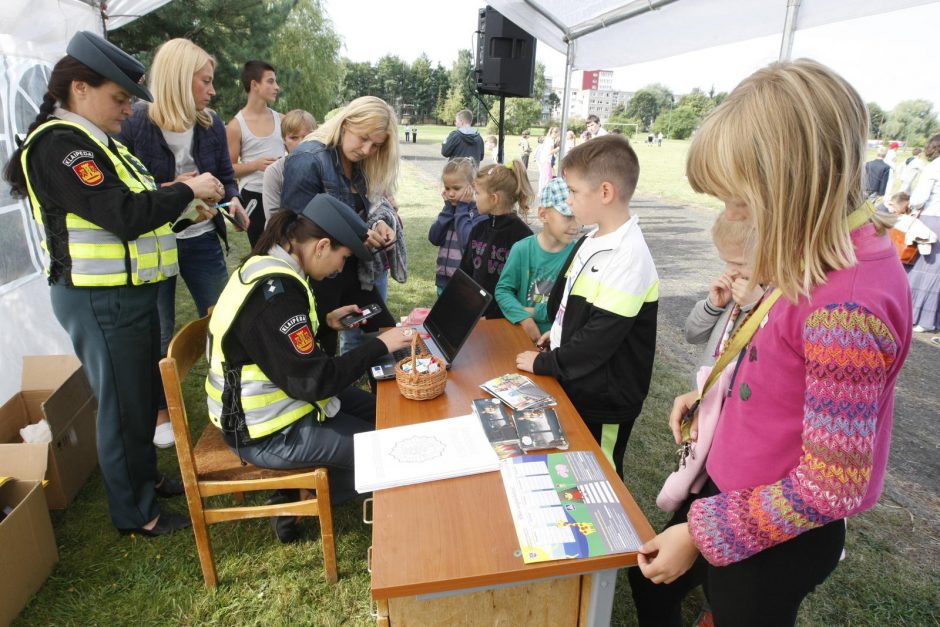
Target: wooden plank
(381,619)
(585,600)
(548,603)
(458,534)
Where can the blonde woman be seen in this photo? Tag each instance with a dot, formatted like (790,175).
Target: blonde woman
(803,437)
(353,157)
(177,137)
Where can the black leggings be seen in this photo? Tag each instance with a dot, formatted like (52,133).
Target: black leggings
(765,589)
(256,222)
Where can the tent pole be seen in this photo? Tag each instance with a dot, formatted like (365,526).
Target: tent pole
(569,61)
(621,13)
(789,28)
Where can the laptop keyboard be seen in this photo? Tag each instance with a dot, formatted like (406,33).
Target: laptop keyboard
(420,350)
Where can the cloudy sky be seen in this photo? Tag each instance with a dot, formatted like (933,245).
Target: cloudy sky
(888,58)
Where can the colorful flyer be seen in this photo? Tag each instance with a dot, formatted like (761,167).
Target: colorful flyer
(563,507)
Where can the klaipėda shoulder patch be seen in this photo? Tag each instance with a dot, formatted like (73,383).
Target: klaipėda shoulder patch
(75,155)
(88,173)
(299,333)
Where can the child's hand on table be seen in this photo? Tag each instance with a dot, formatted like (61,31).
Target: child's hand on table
(526,361)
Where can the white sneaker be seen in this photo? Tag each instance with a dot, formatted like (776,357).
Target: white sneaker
(163,436)
(920,329)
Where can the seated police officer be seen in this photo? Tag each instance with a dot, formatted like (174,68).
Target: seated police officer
(280,400)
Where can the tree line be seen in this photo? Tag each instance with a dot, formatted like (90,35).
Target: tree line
(656,109)
(297,37)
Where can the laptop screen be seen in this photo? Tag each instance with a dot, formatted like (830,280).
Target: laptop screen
(456,313)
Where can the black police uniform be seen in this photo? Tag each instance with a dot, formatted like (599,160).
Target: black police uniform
(256,338)
(113,327)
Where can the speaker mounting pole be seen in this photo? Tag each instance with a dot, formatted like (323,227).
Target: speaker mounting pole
(502,131)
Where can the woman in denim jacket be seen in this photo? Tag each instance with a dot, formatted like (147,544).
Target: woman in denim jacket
(353,157)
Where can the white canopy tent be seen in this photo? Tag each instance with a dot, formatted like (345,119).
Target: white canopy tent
(33,36)
(611,33)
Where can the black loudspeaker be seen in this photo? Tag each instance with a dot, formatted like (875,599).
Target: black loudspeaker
(505,63)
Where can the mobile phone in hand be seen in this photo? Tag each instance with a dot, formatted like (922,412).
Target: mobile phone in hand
(367,312)
(237,219)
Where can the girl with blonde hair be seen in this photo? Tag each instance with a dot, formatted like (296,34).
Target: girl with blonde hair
(353,157)
(503,195)
(177,137)
(803,437)
(457,218)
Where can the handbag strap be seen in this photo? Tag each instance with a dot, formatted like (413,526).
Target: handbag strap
(748,328)
(741,338)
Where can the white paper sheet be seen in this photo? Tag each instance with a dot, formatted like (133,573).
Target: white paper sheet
(428,451)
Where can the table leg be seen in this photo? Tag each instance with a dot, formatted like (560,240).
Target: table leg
(597,598)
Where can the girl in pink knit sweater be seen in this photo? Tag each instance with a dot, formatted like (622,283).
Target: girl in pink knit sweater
(805,428)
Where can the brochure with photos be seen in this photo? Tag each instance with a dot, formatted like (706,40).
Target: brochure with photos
(539,428)
(518,391)
(498,426)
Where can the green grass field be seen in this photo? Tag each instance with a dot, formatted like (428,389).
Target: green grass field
(106,579)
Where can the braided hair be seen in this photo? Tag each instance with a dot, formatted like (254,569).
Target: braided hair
(66,70)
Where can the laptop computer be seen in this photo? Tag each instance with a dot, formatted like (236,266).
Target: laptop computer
(448,325)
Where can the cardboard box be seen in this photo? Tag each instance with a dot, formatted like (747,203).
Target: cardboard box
(27,544)
(55,388)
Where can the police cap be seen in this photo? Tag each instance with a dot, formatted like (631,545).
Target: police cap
(109,61)
(340,221)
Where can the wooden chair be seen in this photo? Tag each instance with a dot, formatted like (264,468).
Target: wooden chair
(211,468)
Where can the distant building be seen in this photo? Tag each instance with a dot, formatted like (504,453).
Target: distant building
(546,106)
(595,95)
(598,80)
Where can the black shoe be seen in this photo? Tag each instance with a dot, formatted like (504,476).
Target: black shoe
(169,487)
(168,522)
(286,528)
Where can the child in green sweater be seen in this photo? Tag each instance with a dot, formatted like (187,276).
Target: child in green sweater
(534,262)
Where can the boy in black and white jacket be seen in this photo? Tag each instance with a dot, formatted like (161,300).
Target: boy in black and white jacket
(604,302)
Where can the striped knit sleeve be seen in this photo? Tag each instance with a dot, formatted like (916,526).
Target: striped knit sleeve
(848,352)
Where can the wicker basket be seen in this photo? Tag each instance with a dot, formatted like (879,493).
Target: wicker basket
(420,386)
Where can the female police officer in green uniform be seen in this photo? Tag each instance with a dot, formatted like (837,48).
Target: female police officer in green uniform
(280,400)
(105,230)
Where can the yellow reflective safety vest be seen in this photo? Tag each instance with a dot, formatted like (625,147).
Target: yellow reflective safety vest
(100,258)
(246,390)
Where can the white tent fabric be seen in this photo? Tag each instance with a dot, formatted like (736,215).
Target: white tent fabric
(656,29)
(121,12)
(33,36)
(613,33)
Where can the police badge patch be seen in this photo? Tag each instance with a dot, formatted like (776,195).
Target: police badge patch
(88,173)
(298,331)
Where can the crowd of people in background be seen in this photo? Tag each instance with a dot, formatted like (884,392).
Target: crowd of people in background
(911,191)
(129,197)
